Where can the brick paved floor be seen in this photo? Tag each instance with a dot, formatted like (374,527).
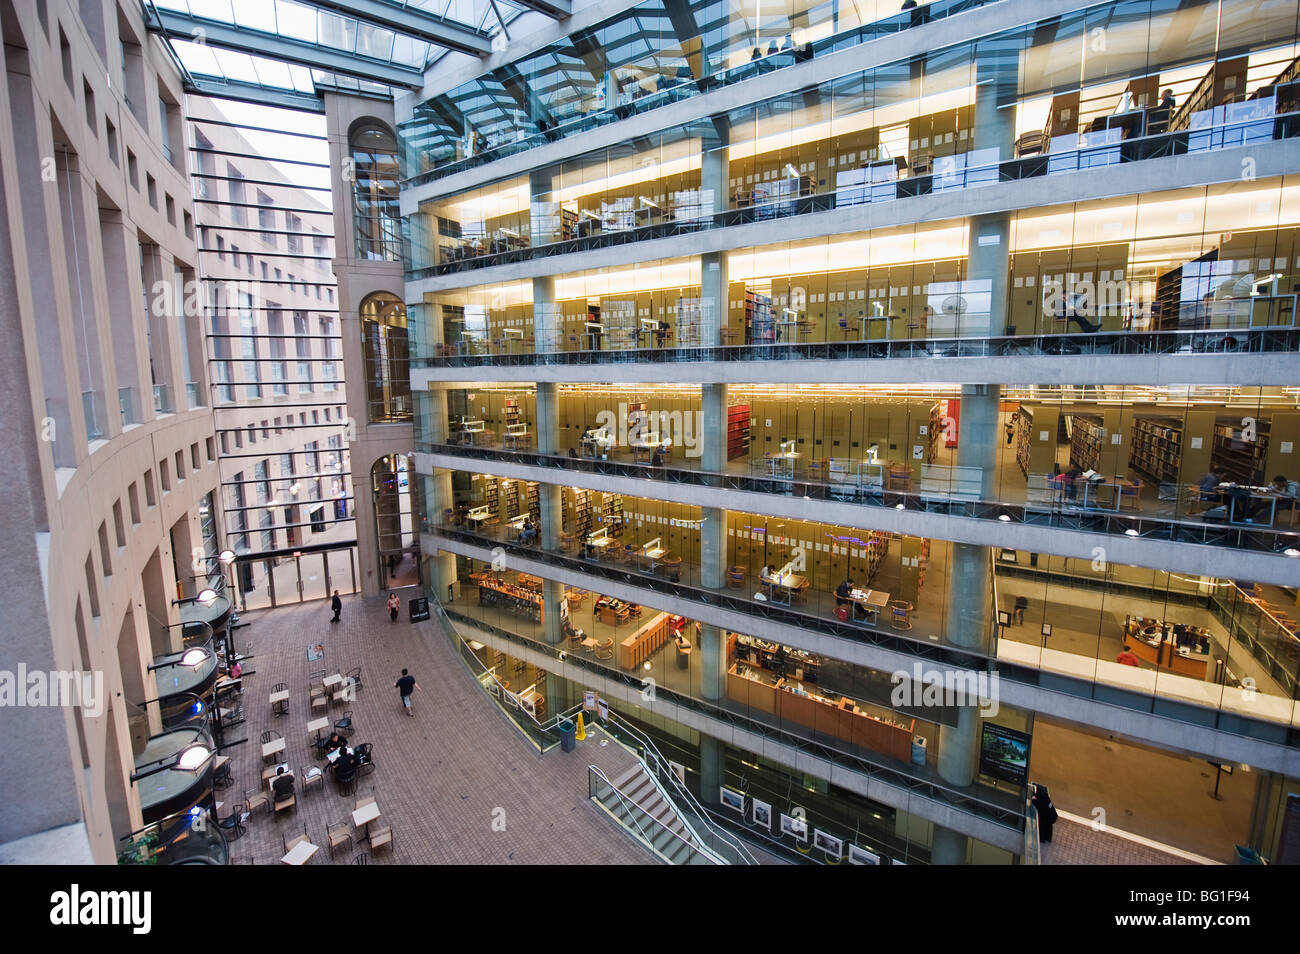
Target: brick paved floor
(441,778)
(1077,844)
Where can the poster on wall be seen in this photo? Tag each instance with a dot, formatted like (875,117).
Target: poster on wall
(1004,754)
(828,843)
(762,814)
(860,856)
(797,828)
(733,799)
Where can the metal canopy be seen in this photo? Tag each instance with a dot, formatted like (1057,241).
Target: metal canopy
(412,22)
(555,9)
(255,93)
(186,26)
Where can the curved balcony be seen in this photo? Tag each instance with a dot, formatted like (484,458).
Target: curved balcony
(173,773)
(175,840)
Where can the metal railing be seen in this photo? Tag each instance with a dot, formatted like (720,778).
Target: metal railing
(1054,510)
(726,846)
(1086,344)
(1007,815)
(644,827)
(973,175)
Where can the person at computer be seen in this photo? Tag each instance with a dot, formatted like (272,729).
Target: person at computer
(282,787)
(1286,491)
(346,761)
(844,592)
(1208,485)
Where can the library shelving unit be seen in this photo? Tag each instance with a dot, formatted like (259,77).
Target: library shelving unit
(512,500)
(1243,460)
(581,515)
(1023,431)
(614,514)
(1086,435)
(1157,448)
(760,328)
(515,599)
(934,432)
(511,411)
(535,502)
(491,499)
(689,316)
(738,417)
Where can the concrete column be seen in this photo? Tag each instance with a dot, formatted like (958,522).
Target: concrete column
(713,547)
(423,232)
(986,283)
(713,297)
(546,315)
(970,599)
(711,762)
(715,179)
(552,593)
(947,847)
(996,75)
(552,504)
(547,426)
(437,424)
(713,432)
(713,668)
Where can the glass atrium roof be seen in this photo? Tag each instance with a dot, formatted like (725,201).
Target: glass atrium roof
(295,47)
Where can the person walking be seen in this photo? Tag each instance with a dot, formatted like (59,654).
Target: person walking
(405,686)
(394,604)
(336,605)
(1047,816)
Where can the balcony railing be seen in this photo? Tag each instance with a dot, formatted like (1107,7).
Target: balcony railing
(964,171)
(1119,343)
(1263,638)
(1088,510)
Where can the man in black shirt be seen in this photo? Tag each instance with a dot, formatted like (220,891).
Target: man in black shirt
(336,605)
(843,592)
(405,686)
(282,786)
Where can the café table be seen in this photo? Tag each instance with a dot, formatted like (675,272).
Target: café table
(329,682)
(318,725)
(364,815)
(300,853)
(273,747)
(280,702)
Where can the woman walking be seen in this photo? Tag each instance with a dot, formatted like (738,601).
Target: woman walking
(393,605)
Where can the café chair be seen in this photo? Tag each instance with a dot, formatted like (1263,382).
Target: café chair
(361,859)
(354,678)
(365,761)
(312,776)
(256,799)
(735,577)
(1128,496)
(232,826)
(379,837)
(344,726)
(338,834)
(605,648)
(900,614)
(284,805)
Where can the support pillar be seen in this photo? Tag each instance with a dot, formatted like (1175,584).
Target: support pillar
(547,425)
(552,504)
(715,188)
(713,663)
(994,140)
(711,769)
(713,428)
(713,548)
(970,599)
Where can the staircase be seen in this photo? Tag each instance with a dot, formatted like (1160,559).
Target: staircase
(635,800)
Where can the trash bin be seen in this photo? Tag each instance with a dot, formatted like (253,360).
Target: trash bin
(568,736)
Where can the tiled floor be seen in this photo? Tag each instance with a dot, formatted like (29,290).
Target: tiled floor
(457,783)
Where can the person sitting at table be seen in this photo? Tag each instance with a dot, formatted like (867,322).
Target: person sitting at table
(662,331)
(1209,484)
(767,574)
(1287,490)
(843,592)
(335,742)
(527,533)
(1065,479)
(345,762)
(283,785)
(1127,657)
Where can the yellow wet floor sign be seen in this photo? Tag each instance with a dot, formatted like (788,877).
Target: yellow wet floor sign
(581,735)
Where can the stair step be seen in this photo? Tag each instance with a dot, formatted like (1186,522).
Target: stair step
(620,782)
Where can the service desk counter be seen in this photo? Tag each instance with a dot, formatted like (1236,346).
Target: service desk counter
(637,648)
(1153,641)
(842,718)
